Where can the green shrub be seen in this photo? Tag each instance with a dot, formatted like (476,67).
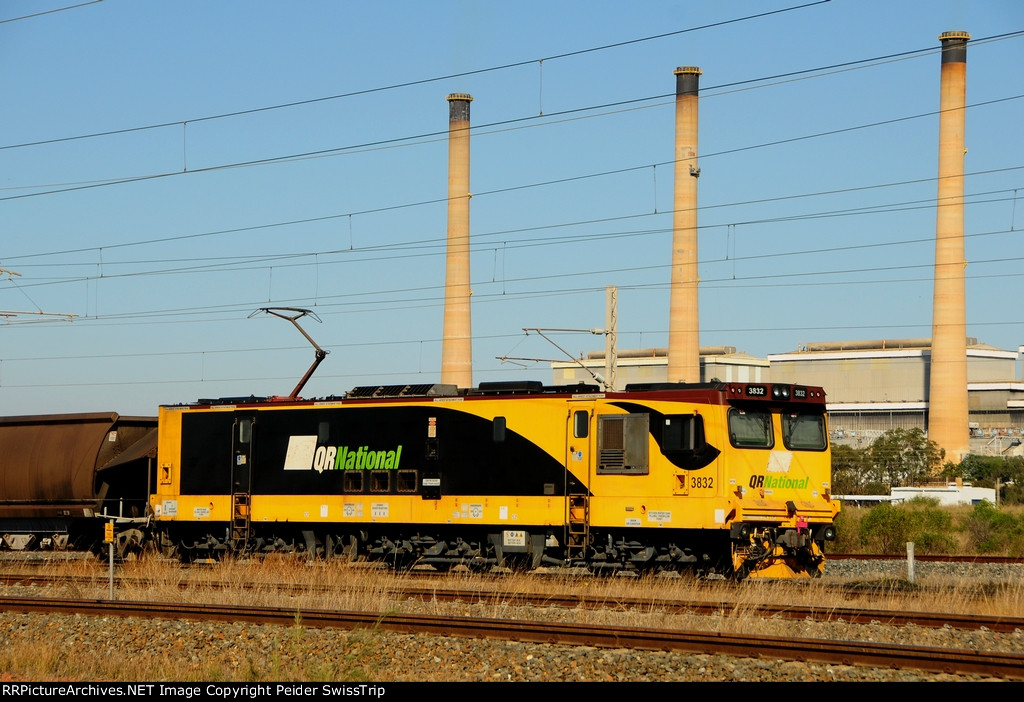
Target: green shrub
(887,528)
(847,524)
(932,543)
(933,526)
(990,530)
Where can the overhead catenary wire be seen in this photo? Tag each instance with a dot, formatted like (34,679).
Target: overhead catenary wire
(414,248)
(344,302)
(436,246)
(481,129)
(393,86)
(49,12)
(481,237)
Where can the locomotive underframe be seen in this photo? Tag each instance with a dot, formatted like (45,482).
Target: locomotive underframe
(478,548)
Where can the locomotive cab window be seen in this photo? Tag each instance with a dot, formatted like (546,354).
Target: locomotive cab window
(580,424)
(683,432)
(750,428)
(244,430)
(683,442)
(804,432)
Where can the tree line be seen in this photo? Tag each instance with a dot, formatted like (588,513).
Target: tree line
(906,457)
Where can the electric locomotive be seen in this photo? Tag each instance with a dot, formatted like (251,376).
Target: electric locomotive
(730,478)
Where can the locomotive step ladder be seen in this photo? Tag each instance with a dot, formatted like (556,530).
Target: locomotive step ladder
(579,528)
(240,519)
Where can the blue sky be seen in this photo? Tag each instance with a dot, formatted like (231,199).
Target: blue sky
(816,196)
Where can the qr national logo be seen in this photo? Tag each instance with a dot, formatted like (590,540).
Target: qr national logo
(304,454)
(779,482)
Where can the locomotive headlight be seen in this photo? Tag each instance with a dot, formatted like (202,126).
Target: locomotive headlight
(780,392)
(829,533)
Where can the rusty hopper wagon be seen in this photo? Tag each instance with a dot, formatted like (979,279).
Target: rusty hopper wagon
(60,474)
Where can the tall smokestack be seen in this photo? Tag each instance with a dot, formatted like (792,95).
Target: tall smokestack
(457,342)
(683,323)
(947,396)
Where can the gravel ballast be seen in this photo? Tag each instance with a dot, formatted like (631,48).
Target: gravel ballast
(147,650)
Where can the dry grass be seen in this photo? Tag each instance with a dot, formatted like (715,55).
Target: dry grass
(347,587)
(291,582)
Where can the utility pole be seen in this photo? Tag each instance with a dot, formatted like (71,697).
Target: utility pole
(611,326)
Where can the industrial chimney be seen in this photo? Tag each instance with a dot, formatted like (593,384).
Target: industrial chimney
(947,395)
(457,342)
(684,324)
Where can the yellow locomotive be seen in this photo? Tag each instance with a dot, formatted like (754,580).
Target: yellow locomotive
(730,478)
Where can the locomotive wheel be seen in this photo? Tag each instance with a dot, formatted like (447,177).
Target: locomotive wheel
(350,548)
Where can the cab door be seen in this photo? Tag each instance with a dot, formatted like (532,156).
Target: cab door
(242,452)
(579,442)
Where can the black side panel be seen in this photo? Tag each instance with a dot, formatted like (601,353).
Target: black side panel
(206,453)
(464,453)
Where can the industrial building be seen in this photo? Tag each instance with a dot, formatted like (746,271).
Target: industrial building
(876,386)
(871,386)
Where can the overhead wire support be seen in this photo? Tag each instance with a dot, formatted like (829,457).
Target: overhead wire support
(540,332)
(34,313)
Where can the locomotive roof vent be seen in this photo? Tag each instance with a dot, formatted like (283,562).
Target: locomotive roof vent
(510,387)
(579,387)
(531,387)
(644,387)
(250,400)
(416,390)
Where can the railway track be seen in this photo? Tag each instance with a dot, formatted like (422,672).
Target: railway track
(933,558)
(851,615)
(938,660)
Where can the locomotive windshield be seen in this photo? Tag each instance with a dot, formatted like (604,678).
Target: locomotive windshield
(750,428)
(803,431)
